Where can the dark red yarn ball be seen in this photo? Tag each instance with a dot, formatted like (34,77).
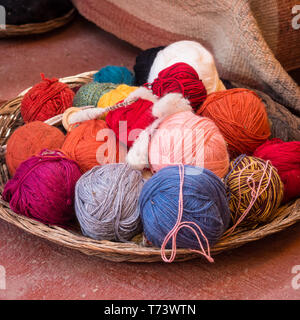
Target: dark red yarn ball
(285,157)
(179,70)
(45,100)
(138,116)
(180,78)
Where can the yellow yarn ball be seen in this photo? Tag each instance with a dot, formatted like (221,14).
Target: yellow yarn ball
(255,191)
(114,96)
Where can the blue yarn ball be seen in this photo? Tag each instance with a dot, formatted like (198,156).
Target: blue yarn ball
(114,74)
(204,202)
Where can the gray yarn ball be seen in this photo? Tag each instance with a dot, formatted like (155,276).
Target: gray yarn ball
(106,202)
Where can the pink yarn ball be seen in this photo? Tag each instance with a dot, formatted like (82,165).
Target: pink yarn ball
(185,138)
(43,188)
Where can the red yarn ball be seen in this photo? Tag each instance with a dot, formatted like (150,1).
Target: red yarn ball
(138,117)
(46,99)
(285,157)
(179,71)
(180,78)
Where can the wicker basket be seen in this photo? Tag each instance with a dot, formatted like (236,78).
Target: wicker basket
(37,28)
(10,119)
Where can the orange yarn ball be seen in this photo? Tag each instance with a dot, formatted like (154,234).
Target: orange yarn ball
(189,139)
(92,143)
(241,117)
(28,140)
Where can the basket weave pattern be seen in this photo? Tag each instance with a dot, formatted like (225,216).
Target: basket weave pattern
(37,28)
(10,119)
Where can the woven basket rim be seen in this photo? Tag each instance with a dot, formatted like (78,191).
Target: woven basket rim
(115,251)
(37,28)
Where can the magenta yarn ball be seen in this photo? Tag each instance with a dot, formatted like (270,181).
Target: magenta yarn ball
(43,188)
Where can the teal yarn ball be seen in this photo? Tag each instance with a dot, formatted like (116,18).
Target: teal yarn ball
(90,93)
(114,74)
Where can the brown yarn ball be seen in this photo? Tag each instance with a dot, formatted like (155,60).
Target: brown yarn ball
(254,189)
(28,140)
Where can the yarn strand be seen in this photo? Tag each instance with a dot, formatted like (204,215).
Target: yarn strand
(255,193)
(94,113)
(181,224)
(265,172)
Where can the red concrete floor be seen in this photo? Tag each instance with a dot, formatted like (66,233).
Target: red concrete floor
(38,269)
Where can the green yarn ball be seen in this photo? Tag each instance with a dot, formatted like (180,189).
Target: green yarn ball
(90,93)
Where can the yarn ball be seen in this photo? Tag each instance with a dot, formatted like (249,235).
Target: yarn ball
(45,100)
(188,139)
(195,55)
(143,63)
(90,93)
(241,117)
(255,191)
(204,204)
(285,157)
(43,188)
(138,116)
(114,74)
(92,143)
(180,78)
(106,202)
(28,140)
(114,96)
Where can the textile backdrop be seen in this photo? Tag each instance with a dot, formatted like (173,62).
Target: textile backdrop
(253,41)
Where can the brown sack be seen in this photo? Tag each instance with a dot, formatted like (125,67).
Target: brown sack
(253,42)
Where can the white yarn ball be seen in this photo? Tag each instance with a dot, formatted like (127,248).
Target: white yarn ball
(195,55)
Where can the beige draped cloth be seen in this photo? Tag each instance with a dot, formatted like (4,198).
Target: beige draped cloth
(253,41)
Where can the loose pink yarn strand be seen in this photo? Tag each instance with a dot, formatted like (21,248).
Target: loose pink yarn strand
(181,224)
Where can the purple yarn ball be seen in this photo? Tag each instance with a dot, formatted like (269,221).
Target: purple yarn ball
(43,188)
